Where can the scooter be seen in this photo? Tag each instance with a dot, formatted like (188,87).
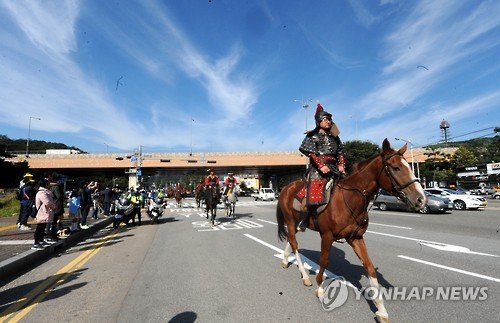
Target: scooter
(155,210)
(123,210)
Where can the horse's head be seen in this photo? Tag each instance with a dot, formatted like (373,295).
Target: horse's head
(397,177)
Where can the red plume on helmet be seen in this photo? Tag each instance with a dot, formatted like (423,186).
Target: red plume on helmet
(319,108)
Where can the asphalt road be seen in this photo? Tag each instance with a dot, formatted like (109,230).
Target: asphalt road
(183,270)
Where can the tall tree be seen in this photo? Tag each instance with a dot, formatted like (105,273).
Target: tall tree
(463,157)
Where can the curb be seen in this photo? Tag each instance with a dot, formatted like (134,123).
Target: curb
(27,259)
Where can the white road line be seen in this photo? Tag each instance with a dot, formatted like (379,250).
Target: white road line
(263,243)
(391,226)
(394,213)
(270,222)
(15,242)
(436,245)
(451,268)
(308,263)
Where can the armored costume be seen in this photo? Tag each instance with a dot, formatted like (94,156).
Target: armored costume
(324,148)
(212,180)
(230,182)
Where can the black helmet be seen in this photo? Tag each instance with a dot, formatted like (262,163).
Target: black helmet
(320,114)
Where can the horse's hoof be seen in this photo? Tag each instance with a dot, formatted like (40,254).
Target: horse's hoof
(320,293)
(306,281)
(382,318)
(285,265)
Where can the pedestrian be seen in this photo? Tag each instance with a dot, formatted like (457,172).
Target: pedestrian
(27,201)
(85,202)
(74,210)
(58,197)
(107,196)
(45,208)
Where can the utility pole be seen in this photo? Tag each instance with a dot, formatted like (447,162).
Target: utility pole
(29,133)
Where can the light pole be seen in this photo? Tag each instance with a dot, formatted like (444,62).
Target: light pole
(29,133)
(411,153)
(191,138)
(305,105)
(107,148)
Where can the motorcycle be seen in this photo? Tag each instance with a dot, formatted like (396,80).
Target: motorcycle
(123,209)
(155,210)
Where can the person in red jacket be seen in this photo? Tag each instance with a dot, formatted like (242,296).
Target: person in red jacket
(212,180)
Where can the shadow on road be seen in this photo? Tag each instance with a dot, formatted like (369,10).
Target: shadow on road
(19,297)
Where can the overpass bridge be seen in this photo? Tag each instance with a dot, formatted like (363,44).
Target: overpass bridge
(258,168)
(255,168)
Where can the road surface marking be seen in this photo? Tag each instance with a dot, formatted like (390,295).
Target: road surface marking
(394,213)
(436,245)
(37,295)
(270,222)
(389,225)
(15,242)
(450,268)
(308,263)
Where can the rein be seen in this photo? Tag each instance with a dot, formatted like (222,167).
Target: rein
(397,188)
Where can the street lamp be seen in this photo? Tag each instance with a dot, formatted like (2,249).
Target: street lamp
(411,153)
(107,148)
(304,105)
(29,133)
(191,138)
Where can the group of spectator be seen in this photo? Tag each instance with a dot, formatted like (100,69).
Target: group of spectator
(44,200)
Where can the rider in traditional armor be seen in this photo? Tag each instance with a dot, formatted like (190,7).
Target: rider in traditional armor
(212,180)
(326,160)
(230,182)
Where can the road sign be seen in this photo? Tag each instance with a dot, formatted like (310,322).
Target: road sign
(139,172)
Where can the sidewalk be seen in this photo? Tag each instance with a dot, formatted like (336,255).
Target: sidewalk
(15,245)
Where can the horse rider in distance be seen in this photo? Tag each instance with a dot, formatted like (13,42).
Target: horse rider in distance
(230,182)
(212,180)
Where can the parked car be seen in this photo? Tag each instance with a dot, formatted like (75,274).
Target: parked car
(460,201)
(436,204)
(264,194)
(460,190)
(495,195)
(483,190)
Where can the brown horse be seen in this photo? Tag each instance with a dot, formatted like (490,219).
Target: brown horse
(178,195)
(346,215)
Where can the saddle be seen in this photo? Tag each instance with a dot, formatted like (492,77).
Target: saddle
(300,200)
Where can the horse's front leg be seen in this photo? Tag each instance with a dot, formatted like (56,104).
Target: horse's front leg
(359,247)
(326,245)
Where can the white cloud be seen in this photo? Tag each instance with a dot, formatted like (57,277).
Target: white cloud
(437,35)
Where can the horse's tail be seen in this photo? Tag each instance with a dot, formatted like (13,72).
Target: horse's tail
(280,217)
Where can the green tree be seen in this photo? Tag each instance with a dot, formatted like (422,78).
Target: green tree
(463,157)
(357,150)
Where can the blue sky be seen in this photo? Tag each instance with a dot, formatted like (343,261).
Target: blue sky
(228,75)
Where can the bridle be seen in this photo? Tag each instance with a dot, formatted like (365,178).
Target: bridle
(397,189)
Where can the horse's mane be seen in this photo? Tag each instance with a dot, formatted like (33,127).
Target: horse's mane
(362,164)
